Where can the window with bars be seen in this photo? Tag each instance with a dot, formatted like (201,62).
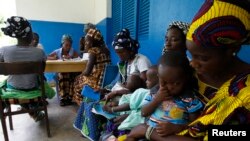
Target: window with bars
(131,14)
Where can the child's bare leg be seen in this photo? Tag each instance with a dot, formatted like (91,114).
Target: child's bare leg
(137,132)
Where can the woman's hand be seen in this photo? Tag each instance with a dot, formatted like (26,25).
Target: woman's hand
(52,57)
(66,57)
(107,108)
(162,94)
(110,95)
(103,91)
(167,128)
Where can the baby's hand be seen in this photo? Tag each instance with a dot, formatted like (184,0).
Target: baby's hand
(163,93)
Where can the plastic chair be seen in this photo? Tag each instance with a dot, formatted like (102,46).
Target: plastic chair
(16,68)
(110,73)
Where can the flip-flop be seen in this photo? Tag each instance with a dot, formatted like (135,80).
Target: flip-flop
(65,102)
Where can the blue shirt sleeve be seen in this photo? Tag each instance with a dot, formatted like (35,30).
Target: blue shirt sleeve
(147,99)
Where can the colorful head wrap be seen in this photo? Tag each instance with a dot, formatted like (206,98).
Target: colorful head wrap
(17,27)
(221,23)
(66,37)
(95,34)
(123,40)
(183,26)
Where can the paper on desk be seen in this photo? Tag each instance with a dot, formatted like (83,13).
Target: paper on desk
(85,56)
(73,59)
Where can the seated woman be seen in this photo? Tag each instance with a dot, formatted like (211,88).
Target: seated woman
(19,28)
(65,80)
(99,57)
(131,63)
(215,36)
(175,37)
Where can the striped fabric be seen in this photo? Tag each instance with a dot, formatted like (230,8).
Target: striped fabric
(219,24)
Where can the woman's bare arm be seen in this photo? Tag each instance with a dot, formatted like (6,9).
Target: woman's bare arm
(90,65)
(52,56)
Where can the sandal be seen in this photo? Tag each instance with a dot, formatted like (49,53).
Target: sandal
(62,102)
(65,102)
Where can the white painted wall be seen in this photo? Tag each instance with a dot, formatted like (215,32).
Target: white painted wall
(69,11)
(72,11)
(7,8)
(102,9)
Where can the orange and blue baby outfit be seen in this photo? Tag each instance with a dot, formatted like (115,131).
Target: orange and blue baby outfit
(175,110)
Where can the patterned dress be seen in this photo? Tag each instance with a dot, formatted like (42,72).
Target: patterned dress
(96,76)
(66,84)
(65,80)
(226,105)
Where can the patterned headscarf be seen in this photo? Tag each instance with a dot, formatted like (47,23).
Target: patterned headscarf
(221,23)
(66,37)
(123,40)
(17,27)
(183,26)
(95,34)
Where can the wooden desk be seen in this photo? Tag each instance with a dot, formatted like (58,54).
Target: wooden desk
(65,66)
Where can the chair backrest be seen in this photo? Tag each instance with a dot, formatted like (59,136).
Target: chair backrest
(110,74)
(17,68)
